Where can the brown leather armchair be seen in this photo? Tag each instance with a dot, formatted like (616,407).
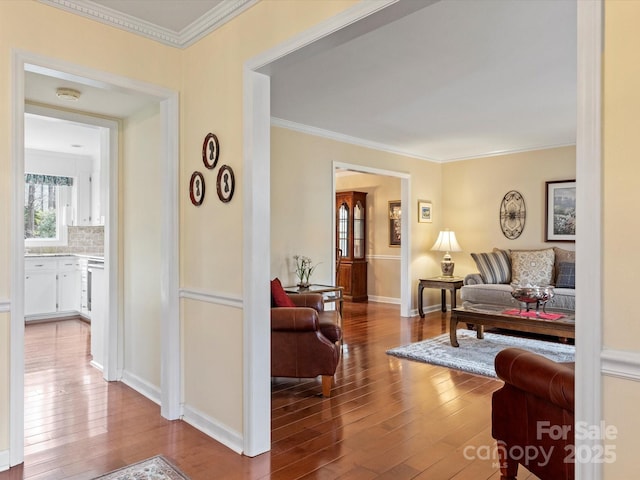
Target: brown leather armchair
(306,340)
(533,415)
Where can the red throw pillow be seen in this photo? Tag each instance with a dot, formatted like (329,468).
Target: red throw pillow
(279,296)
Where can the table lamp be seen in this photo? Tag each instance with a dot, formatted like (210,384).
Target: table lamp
(447,242)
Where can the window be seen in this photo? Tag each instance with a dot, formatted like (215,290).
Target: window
(45,199)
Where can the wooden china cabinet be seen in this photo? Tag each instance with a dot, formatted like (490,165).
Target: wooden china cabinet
(351,227)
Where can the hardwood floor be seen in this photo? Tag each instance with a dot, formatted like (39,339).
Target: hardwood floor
(387,417)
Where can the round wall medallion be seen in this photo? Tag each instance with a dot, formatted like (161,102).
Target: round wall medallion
(512,215)
(210,151)
(226,183)
(196,188)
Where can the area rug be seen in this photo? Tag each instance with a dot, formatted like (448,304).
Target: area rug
(155,468)
(475,355)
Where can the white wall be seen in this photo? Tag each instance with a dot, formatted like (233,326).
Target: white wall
(140,200)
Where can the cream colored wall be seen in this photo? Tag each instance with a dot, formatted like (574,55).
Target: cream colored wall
(302,168)
(141,197)
(621,230)
(472,191)
(36,28)
(211,235)
(383,269)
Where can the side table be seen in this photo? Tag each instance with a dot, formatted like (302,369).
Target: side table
(443,283)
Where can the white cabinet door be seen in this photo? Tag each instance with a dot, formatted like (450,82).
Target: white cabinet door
(40,292)
(69,291)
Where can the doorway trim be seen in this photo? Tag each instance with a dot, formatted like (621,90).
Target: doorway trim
(405,227)
(256,146)
(170,322)
(112,367)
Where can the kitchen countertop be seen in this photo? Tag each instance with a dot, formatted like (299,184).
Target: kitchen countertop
(91,256)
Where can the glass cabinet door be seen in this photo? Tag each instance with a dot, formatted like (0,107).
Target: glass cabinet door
(343,229)
(358,231)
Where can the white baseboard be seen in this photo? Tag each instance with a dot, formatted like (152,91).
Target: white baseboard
(5,462)
(215,430)
(141,386)
(621,364)
(379,299)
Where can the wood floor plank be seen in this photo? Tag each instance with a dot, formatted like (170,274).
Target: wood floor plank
(387,418)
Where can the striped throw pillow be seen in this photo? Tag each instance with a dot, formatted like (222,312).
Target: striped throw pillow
(494,267)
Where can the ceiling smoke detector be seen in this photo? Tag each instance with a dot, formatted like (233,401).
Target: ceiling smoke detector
(68,94)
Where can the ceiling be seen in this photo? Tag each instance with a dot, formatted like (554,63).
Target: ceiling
(444,81)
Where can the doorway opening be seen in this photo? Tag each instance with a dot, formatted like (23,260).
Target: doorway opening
(164,103)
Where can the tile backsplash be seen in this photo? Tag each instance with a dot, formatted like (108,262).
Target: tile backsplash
(79,240)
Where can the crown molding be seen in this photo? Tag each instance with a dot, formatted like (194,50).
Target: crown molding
(213,19)
(339,137)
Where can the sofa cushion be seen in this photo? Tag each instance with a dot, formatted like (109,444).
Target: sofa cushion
(500,294)
(566,275)
(532,267)
(562,255)
(494,267)
(279,297)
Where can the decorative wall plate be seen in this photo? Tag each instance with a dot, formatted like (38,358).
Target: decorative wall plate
(210,151)
(196,188)
(226,183)
(512,215)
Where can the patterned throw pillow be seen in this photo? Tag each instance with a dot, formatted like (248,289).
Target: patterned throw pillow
(566,275)
(562,255)
(532,267)
(494,267)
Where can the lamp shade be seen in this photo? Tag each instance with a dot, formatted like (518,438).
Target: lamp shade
(446,242)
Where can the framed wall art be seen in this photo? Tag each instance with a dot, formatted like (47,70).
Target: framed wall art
(196,188)
(513,214)
(226,183)
(210,151)
(425,210)
(395,223)
(561,211)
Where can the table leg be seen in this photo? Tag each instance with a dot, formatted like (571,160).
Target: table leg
(453,330)
(480,331)
(443,300)
(420,309)
(453,298)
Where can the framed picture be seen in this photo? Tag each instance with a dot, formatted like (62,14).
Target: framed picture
(424,211)
(210,151)
(561,211)
(196,188)
(226,183)
(395,223)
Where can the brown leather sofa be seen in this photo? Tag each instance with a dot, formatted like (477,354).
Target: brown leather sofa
(533,415)
(306,340)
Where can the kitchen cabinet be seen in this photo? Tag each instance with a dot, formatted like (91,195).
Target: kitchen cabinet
(52,286)
(40,292)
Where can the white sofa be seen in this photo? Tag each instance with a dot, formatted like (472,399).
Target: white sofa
(476,290)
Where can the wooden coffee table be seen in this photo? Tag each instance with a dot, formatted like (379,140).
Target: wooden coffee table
(494,316)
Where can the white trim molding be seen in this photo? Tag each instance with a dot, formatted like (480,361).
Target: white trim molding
(4,460)
(589,304)
(222,13)
(621,364)
(396,258)
(379,299)
(5,305)
(212,297)
(152,392)
(222,433)
(399,150)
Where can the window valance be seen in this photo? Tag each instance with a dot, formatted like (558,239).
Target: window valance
(37,179)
